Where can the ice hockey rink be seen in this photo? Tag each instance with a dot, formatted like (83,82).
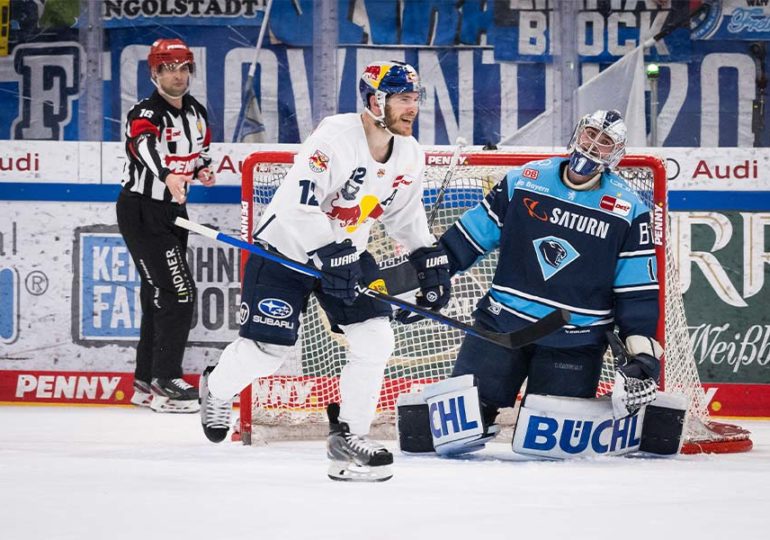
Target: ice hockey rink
(113,473)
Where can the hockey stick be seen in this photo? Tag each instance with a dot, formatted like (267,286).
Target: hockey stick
(513,340)
(400,271)
(459,144)
(250,115)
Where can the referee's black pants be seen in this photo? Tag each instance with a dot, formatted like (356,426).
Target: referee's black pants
(158,249)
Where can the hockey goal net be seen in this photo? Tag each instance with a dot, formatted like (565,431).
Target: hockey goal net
(291,403)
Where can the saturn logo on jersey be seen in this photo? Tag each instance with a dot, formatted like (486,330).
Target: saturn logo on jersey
(531,205)
(318,162)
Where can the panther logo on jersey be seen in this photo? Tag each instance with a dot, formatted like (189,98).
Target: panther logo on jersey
(553,255)
(552,252)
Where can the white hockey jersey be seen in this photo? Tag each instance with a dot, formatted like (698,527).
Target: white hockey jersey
(336,190)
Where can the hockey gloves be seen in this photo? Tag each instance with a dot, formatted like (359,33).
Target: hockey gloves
(341,270)
(636,378)
(432,265)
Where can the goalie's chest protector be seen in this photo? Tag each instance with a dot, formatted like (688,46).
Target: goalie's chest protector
(561,244)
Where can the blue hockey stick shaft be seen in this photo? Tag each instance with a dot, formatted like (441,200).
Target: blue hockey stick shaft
(513,340)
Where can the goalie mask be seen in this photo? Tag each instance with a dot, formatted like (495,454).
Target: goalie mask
(383,79)
(598,143)
(171,55)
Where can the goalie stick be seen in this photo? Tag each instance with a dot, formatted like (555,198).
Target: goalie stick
(512,340)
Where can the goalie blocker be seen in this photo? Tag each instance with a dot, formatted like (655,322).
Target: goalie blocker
(445,418)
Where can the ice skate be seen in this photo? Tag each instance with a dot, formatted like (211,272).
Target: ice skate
(174,396)
(355,458)
(142,394)
(215,413)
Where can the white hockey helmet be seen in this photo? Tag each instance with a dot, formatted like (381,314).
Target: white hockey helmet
(598,142)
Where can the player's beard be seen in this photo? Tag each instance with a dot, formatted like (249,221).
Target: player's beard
(399,124)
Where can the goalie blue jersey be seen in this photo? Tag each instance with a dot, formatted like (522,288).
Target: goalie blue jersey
(590,252)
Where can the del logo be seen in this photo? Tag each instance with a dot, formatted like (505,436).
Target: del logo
(78,387)
(275,308)
(318,162)
(532,174)
(572,436)
(9,305)
(172,134)
(616,206)
(106,304)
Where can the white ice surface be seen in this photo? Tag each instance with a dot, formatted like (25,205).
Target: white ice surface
(115,473)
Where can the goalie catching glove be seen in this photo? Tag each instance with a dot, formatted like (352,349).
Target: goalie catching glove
(432,265)
(341,270)
(638,372)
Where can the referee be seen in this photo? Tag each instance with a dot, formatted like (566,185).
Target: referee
(167,144)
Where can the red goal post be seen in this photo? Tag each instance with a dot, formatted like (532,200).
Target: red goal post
(275,403)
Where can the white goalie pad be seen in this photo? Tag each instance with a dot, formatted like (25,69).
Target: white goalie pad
(565,428)
(444,418)
(454,415)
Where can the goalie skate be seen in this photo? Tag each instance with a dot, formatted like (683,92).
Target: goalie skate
(355,458)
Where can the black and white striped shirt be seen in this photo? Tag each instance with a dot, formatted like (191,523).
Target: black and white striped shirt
(161,139)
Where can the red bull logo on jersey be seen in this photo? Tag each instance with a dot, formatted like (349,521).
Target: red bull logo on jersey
(318,162)
(351,217)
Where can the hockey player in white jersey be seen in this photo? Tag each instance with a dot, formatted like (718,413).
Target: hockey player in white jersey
(353,170)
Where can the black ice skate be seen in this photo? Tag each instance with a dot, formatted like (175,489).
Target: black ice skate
(215,413)
(354,458)
(174,395)
(142,393)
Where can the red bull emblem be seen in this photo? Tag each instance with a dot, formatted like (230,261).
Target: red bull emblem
(372,72)
(351,217)
(318,162)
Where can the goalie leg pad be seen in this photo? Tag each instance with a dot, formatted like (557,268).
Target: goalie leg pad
(564,427)
(413,424)
(663,425)
(445,417)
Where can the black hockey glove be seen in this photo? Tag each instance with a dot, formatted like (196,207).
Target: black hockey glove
(432,265)
(341,270)
(636,378)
